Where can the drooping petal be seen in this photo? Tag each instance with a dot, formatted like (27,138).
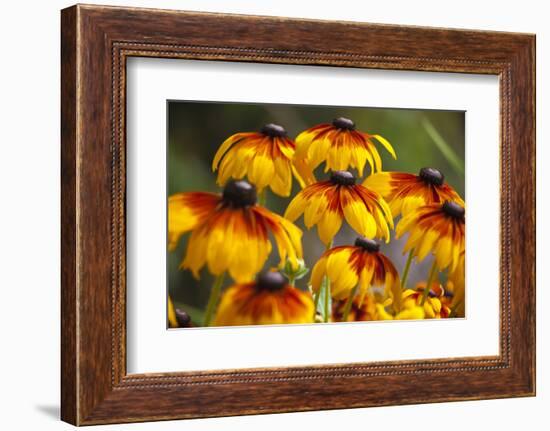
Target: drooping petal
(386,144)
(315,210)
(318,272)
(303,173)
(427,244)
(261,171)
(329,225)
(343,277)
(365,280)
(195,255)
(226,145)
(281,183)
(186,211)
(359,218)
(287,236)
(296,207)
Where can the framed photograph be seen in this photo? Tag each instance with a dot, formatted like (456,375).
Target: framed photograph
(322,214)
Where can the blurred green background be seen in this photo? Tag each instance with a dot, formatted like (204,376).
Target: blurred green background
(196,129)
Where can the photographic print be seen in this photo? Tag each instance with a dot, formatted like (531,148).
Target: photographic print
(296,214)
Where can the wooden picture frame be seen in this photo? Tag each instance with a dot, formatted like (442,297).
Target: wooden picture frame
(95,43)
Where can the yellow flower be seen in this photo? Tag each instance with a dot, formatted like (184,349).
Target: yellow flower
(230,232)
(267,301)
(415,313)
(405,192)
(433,307)
(435,228)
(341,146)
(263,157)
(326,203)
(354,269)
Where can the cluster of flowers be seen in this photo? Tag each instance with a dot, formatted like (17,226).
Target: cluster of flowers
(231,231)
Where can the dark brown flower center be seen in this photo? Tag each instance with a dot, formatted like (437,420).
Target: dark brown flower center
(239,193)
(342,178)
(343,123)
(270,280)
(273,130)
(368,244)
(454,210)
(432,176)
(183,318)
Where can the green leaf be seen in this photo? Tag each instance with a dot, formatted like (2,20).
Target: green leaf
(295,274)
(301,273)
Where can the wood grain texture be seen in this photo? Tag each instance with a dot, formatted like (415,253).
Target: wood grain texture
(69,367)
(96,41)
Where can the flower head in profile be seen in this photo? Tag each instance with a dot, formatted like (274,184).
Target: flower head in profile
(405,192)
(353,269)
(436,228)
(433,306)
(327,203)
(341,146)
(263,157)
(230,232)
(269,300)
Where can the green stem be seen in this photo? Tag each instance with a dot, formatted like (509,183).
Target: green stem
(431,276)
(213,299)
(406,270)
(316,299)
(349,303)
(262,197)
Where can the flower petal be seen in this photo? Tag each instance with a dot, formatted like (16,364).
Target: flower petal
(329,225)
(186,211)
(386,144)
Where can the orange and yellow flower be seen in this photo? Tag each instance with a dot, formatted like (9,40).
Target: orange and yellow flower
(230,232)
(433,306)
(359,311)
(327,203)
(405,192)
(264,157)
(341,146)
(436,228)
(351,270)
(269,300)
